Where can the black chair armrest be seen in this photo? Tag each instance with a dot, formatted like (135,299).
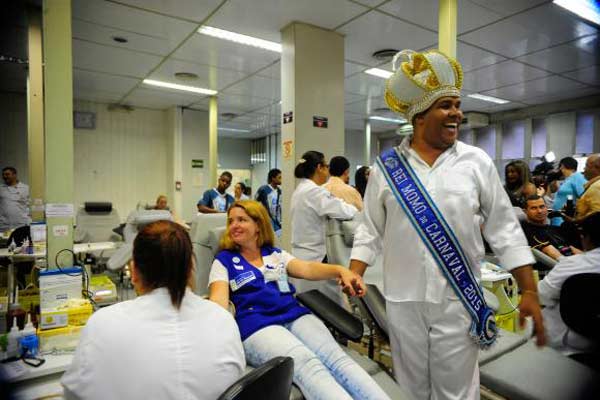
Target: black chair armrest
(374,302)
(332,314)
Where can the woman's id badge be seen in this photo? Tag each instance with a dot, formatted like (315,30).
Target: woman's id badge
(282,283)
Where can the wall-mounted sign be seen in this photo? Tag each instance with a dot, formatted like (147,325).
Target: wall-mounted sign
(288,117)
(320,122)
(197,163)
(84,120)
(288,146)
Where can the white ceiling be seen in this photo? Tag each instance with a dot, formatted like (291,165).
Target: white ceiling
(527,51)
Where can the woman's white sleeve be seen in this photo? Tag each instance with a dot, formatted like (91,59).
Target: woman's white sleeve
(218,272)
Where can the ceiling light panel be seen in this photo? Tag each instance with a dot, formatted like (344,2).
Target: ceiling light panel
(239,38)
(176,86)
(384,119)
(381,73)
(488,98)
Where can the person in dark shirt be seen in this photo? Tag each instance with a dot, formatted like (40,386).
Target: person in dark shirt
(542,236)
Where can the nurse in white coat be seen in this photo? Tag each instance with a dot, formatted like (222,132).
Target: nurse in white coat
(311,205)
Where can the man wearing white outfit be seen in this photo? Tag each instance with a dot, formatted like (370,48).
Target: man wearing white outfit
(434,356)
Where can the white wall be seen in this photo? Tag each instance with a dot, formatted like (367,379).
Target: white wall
(13,133)
(354,148)
(123,160)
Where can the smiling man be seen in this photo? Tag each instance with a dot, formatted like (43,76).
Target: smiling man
(426,205)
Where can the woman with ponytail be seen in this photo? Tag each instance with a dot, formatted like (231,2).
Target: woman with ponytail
(167,343)
(311,205)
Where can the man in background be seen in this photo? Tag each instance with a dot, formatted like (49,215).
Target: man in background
(590,199)
(339,168)
(270,197)
(216,200)
(542,236)
(570,189)
(14,201)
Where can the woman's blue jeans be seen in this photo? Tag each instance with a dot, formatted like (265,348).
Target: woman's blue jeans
(322,370)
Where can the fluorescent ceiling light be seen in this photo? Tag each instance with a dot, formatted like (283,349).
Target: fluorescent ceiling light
(234,130)
(488,98)
(396,121)
(381,73)
(549,156)
(239,38)
(180,87)
(586,9)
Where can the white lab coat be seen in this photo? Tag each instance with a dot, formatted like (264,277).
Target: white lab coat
(464,184)
(559,335)
(311,205)
(146,349)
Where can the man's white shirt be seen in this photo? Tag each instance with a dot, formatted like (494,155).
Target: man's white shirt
(14,206)
(464,184)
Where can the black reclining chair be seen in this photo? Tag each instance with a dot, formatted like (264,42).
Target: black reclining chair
(580,310)
(270,381)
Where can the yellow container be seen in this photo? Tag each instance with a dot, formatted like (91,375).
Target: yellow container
(59,339)
(76,312)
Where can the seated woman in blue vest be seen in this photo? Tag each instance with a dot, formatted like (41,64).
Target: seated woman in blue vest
(254,275)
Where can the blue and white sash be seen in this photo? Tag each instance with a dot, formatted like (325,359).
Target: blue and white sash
(441,242)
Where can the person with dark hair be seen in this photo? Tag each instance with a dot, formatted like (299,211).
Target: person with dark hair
(253,274)
(361,177)
(217,200)
(311,205)
(517,182)
(428,203)
(559,335)
(269,196)
(14,201)
(168,343)
(542,236)
(570,190)
(339,168)
(239,191)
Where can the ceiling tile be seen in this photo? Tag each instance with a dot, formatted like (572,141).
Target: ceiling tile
(204,49)
(365,84)
(519,35)
(98,96)
(563,95)
(127,19)
(566,57)
(89,82)
(103,35)
(351,68)
(470,15)
(501,74)
(242,103)
(508,7)
(351,97)
(590,75)
(159,98)
(376,31)
(538,87)
(188,9)
(368,106)
(265,18)
(272,72)
(209,77)
(472,58)
(112,60)
(256,86)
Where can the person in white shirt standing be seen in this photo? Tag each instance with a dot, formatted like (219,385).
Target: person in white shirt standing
(168,343)
(14,201)
(431,325)
(311,205)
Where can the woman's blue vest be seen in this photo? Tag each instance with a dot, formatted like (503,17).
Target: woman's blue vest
(258,303)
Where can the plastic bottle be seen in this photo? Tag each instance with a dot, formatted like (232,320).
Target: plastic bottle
(12,348)
(28,342)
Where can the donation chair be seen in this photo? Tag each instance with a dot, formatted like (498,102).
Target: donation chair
(333,315)
(199,234)
(270,381)
(95,222)
(580,311)
(513,367)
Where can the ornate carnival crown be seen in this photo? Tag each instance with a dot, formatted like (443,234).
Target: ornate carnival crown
(421,79)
